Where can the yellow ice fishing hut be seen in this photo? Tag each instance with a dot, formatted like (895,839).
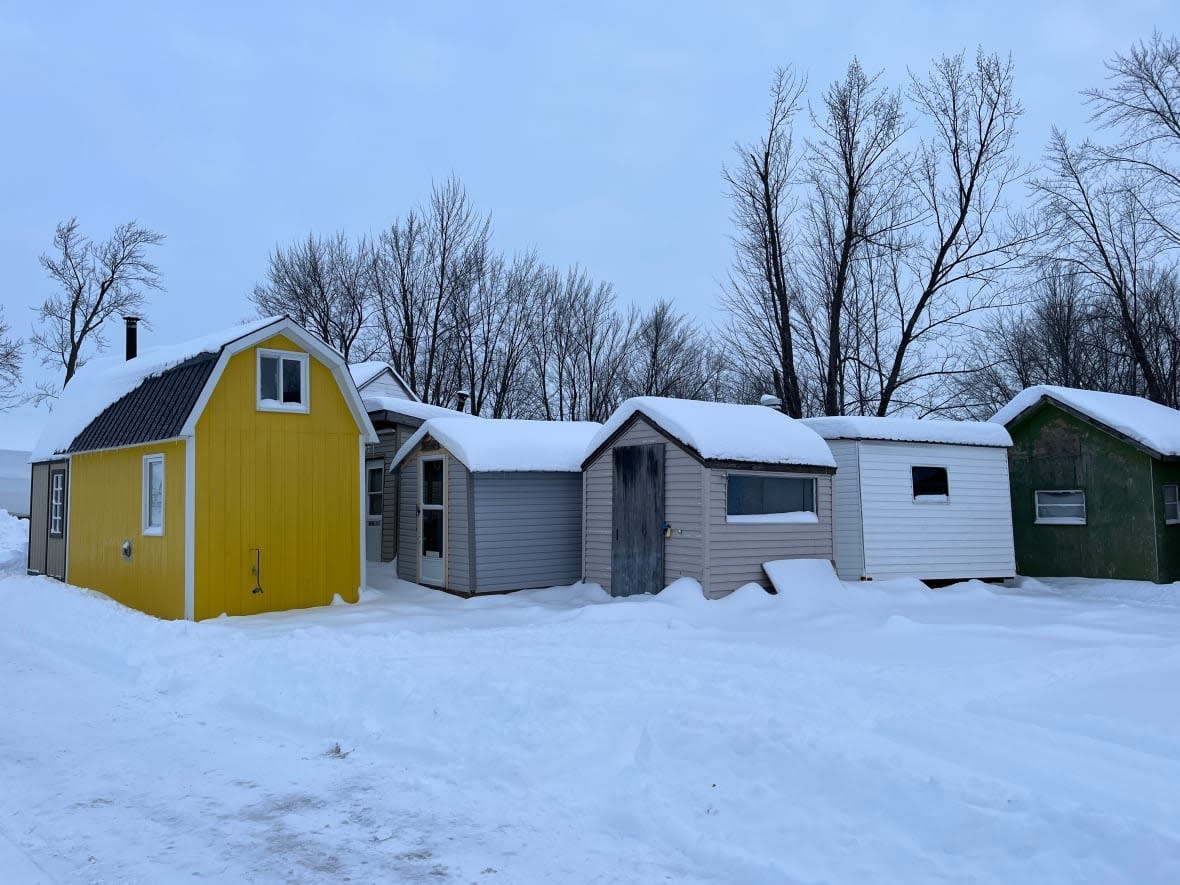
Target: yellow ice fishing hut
(220,476)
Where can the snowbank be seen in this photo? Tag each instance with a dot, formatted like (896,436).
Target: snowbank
(14,540)
(102,382)
(1152,425)
(504,445)
(966,433)
(725,431)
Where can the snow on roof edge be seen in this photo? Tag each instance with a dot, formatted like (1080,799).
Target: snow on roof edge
(505,445)
(724,431)
(924,430)
(1149,424)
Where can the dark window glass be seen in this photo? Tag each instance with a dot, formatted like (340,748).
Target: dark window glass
(432,482)
(432,534)
(268,371)
(748,495)
(375,490)
(930,481)
(292,381)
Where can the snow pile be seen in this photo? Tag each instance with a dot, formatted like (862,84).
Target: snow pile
(14,540)
(725,431)
(962,735)
(506,445)
(102,382)
(966,433)
(1150,424)
(410,408)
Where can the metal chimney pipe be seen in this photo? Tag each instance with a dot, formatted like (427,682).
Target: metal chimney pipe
(132,348)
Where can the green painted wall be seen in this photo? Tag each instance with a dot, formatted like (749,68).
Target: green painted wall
(1169,535)
(1054,450)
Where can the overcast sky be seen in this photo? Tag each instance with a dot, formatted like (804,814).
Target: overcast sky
(595,134)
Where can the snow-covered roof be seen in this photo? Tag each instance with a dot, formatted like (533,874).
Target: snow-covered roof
(102,382)
(501,445)
(926,430)
(1151,425)
(410,407)
(725,431)
(363,373)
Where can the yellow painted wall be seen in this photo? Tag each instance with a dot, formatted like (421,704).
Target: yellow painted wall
(286,483)
(106,500)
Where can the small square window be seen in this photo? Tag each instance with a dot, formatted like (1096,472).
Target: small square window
(153,495)
(1067,507)
(930,483)
(282,381)
(1172,503)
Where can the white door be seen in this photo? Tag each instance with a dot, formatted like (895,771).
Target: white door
(432,563)
(374,507)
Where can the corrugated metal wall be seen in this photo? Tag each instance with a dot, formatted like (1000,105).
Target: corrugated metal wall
(38,518)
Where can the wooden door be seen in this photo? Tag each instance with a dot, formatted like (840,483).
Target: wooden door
(637,550)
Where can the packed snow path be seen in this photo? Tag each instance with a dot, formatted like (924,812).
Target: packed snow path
(888,735)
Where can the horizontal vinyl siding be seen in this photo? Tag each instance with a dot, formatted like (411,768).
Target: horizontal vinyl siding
(850,551)
(384,450)
(407,522)
(528,530)
(737,550)
(597,485)
(968,536)
(458,538)
(683,502)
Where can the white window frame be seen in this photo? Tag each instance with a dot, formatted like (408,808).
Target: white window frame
(1059,520)
(146,511)
(1175,520)
(304,405)
(57,503)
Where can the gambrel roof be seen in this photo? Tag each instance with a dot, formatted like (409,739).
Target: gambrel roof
(159,394)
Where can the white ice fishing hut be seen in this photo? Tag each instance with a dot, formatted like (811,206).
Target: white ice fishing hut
(920,498)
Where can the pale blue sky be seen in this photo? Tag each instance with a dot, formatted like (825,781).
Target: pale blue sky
(595,132)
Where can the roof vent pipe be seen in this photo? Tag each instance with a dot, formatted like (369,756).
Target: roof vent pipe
(132,348)
(461,397)
(769,399)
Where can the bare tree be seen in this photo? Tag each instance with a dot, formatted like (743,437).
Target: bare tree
(762,290)
(10,366)
(856,189)
(671,356)
(1142,102)
(963,239)
(1100,228)
(322,283)
(95,281)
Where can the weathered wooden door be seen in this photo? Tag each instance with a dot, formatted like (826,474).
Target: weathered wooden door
(637,549)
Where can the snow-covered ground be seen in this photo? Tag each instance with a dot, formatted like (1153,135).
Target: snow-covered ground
(876,734)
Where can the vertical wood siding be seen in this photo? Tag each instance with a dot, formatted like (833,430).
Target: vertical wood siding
(38,518)
(846,510)
(737,550)
(683,486)
(969,535)
(528,530)
(106,509)
(286,483)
